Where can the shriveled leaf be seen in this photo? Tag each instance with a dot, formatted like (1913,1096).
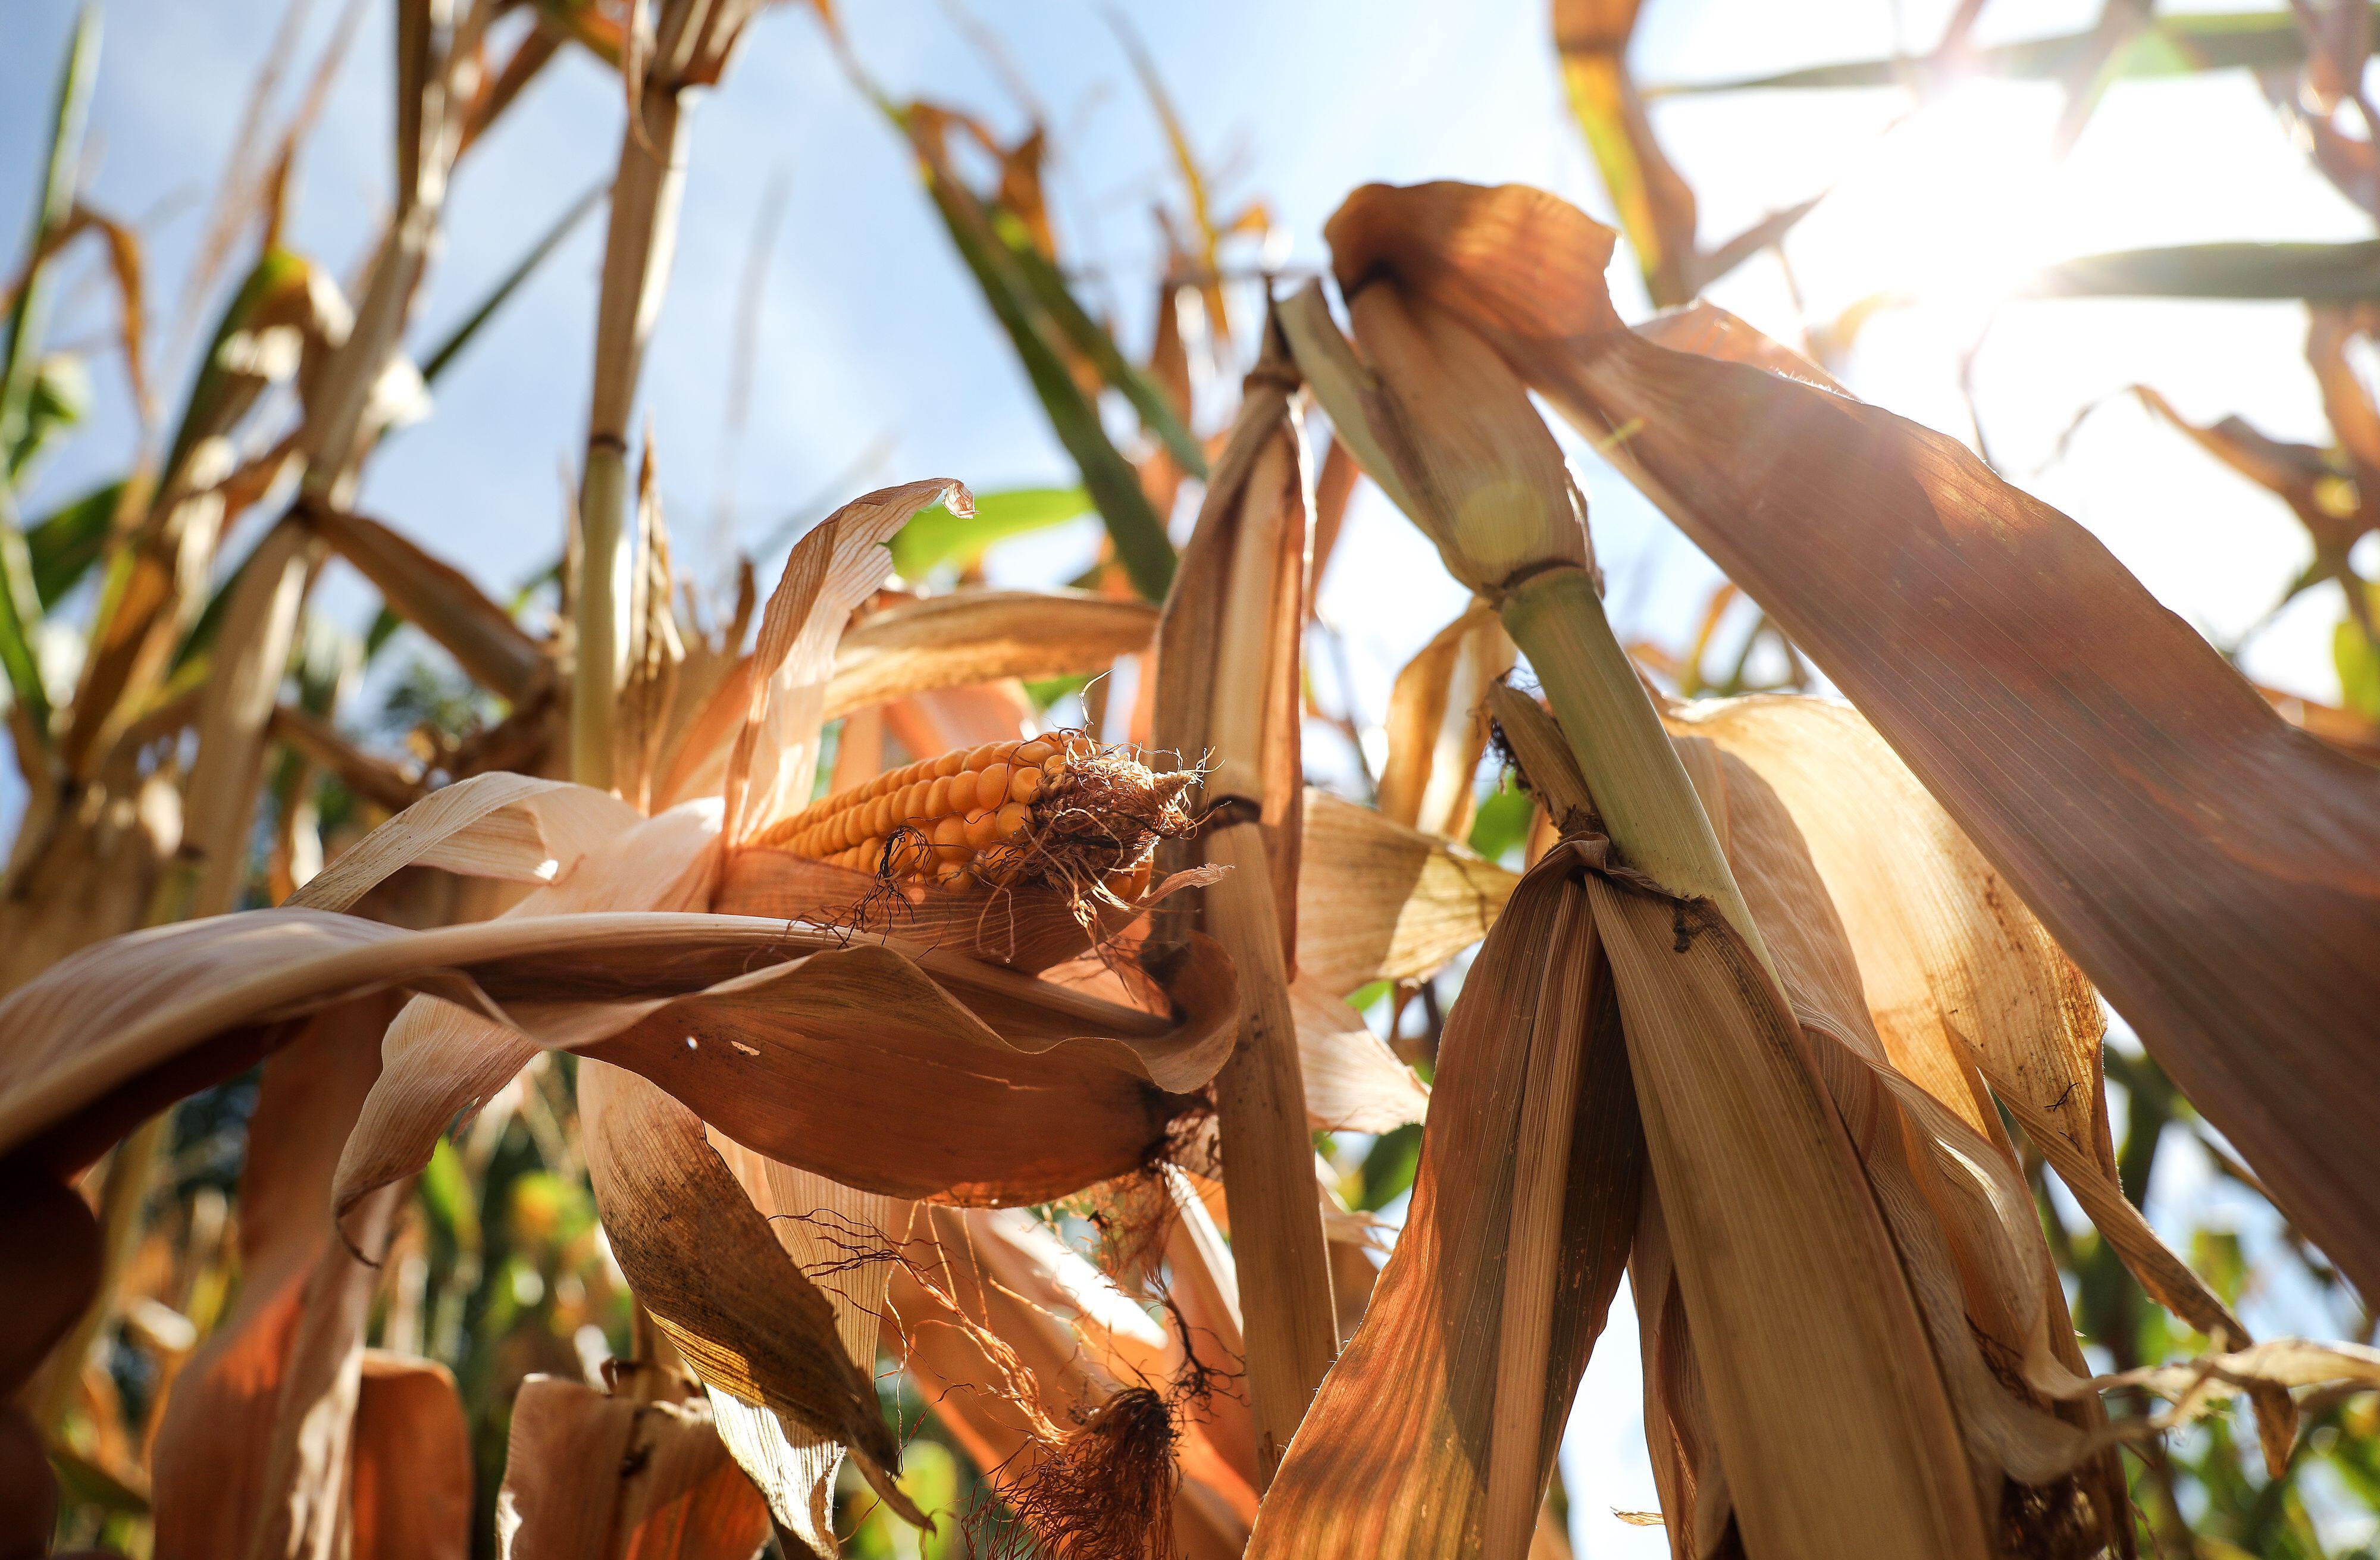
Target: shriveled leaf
(1354,1083)
(832,571)
(2202,860)
(1437,730)
(511,827)
(213,1459)
(442,601)
(705,1263)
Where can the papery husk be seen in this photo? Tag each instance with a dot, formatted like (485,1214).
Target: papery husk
(1377,900)
(2209,866)
(1962,984)
(835,568)
(1864,1190)
(705,1263)
(970,636)
(838,1233)
(1437,732)
(594,1477)
(1444,1390)
(204,998)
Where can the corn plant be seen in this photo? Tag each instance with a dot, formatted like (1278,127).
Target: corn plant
(763,1074)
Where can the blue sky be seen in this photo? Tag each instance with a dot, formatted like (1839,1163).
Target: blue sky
(872,338)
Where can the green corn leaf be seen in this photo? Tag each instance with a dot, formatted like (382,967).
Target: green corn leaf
(65,543)
(1091,339)
(2315,272)
(445,351)
(937,537)
(2178,44)
(1134,523)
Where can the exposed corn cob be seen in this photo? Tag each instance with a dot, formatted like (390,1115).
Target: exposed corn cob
(1063,808)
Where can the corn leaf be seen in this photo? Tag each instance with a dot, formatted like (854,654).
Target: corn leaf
(1358,1482)
(410,1468)
(211,1461)
(976,637)
(2179,43)
(2315,272)
(938,536)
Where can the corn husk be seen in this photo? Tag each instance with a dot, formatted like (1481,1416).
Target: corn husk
(2025,678)
(1012,1336)
(1479,1390)
(974,636)
(1377,900)
(1437,730)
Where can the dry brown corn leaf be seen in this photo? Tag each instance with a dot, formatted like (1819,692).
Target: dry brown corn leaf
(1437,730)
(106,1037)
(1353,1081)
(704,1262)
(208,1463)
(1011,1342)
(588,1475)
(1963,1223)
(409,1477)
(439,600)
(1437,1337)
(1958,975)
(1377,900)
(516,827)
(2211,868)
(836,1232)
(972,636)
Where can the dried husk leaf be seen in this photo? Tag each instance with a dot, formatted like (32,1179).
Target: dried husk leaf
(708,1266)
(1353,1081)
(1415,1482)
(972,636)
(1229,697)
(589,1475)
(1377,900)
(1436,731)
(837,1232)
(1738,1107)
(1959,977)
(2208,865)
(832,570)
(1013,1337)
